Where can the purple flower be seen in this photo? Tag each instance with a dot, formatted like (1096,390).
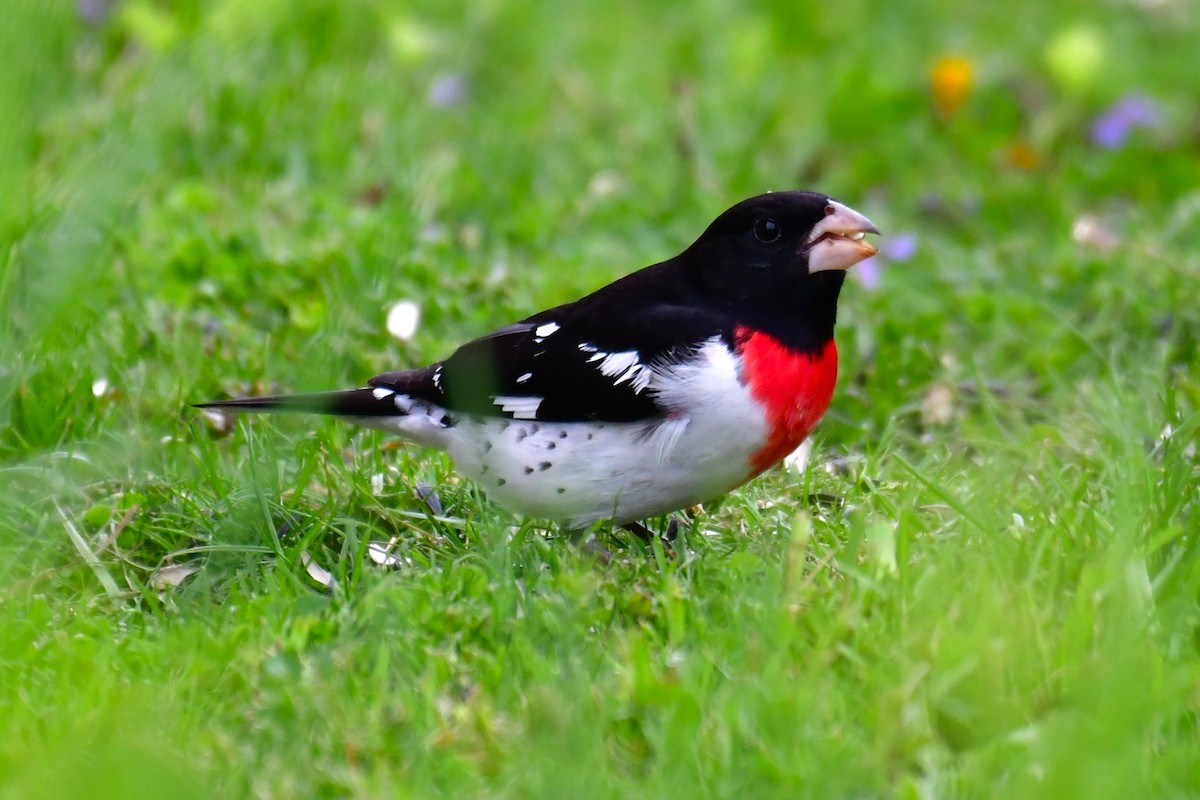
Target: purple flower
(901,247)
(94,12)
(1111,129)
(898,249)
(447,90)
(869,273)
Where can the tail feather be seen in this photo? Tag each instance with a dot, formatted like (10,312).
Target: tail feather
(350,403)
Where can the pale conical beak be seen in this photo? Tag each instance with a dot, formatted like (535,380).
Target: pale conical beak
(837,241)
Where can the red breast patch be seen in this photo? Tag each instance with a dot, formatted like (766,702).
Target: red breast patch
(794,388)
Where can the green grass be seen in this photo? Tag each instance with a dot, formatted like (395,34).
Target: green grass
(984,584)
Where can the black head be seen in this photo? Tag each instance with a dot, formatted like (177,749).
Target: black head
(777,261)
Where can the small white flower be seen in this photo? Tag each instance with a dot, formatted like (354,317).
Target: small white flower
(100,387)
(604,184)
(402,319)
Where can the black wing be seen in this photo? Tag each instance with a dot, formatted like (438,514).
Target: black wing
(568,364)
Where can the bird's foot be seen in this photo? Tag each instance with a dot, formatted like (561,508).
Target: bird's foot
(642,532)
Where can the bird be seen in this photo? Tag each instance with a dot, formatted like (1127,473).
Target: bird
(665,389)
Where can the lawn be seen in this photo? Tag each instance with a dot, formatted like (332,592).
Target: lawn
(984,580)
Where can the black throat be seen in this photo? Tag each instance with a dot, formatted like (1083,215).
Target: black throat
(801,319)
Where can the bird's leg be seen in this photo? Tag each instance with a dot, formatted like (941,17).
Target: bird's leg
(639,530)
(642,532)
(672,530)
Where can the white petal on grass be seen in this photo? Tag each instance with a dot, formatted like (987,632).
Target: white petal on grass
(100,387)
(938,406)
(377,484)
(316,571)
(402,319)
(497,275)
(1090,230)
(172,575)
(381,553)
(604,184)
(220,421)
(797,460)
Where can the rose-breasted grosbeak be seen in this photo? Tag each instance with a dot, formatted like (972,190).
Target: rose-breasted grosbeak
(664,389)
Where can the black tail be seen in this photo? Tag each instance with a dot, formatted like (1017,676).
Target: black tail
(350,403)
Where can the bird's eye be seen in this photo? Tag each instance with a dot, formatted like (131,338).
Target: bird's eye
(767,230)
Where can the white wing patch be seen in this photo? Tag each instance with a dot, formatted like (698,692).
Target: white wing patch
(519,407)
(624,366)
(525,377)
(381,393)
(545,330)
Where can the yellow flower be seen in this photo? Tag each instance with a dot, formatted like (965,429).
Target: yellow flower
(950,79)
(1022,155)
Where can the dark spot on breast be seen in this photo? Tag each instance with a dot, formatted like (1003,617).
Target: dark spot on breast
(485,470)
(500,481)
(534,428)
(542,467)
(562,434)
(561,490)
(550,445)
(529,470)
(590,435)
(487,446)
(522,433)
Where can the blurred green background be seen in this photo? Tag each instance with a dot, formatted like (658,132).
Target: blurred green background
(982,582)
